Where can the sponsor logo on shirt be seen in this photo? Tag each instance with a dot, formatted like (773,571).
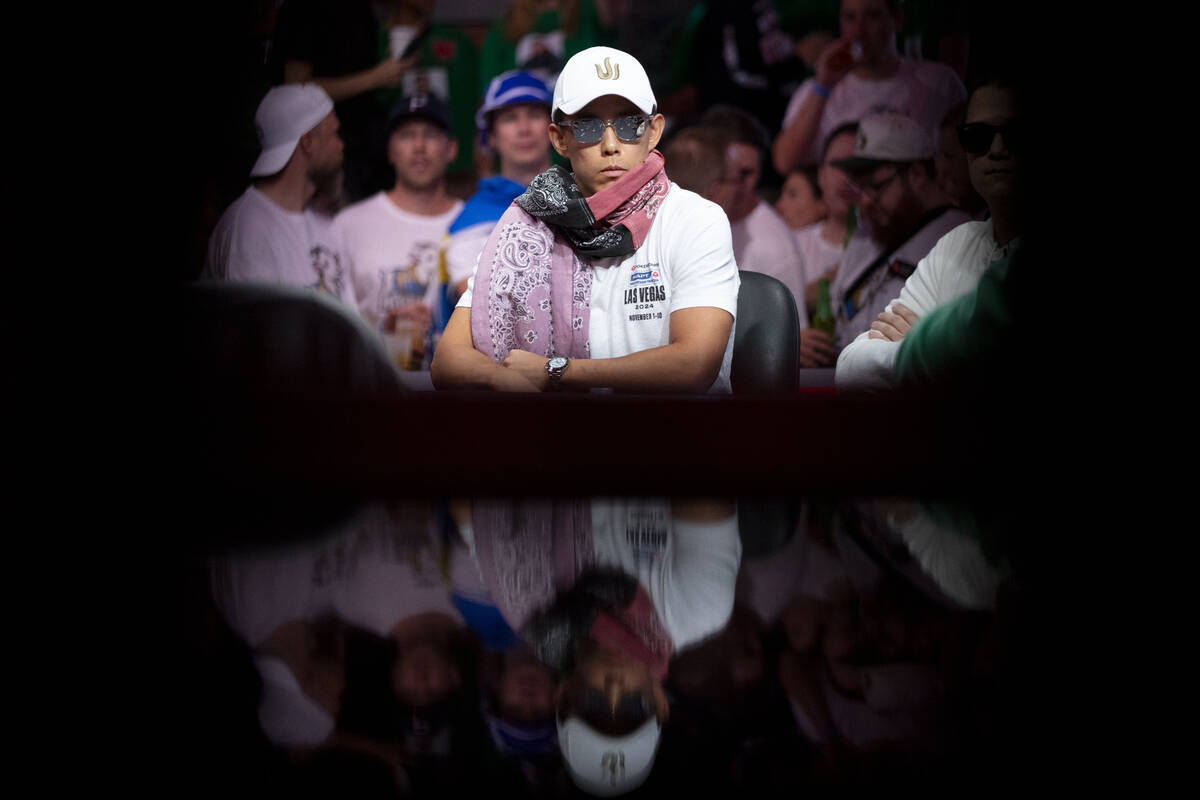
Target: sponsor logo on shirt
(644,291)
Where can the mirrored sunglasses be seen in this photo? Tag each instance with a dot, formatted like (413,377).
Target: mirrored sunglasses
(589,130)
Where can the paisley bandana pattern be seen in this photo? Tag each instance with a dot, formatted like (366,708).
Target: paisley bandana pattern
(538,287)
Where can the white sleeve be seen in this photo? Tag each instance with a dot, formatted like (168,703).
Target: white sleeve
(703,269)
(866,364)
(465,300)
(464,249)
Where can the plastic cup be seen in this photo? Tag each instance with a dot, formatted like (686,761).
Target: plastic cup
(399,38)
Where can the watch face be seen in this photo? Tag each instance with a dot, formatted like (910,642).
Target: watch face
(558,362)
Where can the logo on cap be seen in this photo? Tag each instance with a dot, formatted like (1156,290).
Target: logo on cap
(418,100)
(609,762)
(610,72)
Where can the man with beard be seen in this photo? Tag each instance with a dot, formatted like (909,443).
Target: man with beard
(903,214)
(271,234)
(394,239)
(991,138)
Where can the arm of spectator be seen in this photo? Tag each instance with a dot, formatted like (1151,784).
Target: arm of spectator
(866,363)
(458,365)
(816,348)
(892,325)
(689,362)
(386,74)
(463,251)
(796,143)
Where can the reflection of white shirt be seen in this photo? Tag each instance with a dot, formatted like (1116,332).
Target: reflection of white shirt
(393,253)
(924,90)
(951,269)
(689,569)
(686,261)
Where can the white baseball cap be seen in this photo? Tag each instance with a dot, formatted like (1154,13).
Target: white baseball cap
(608,765)
(598,71)
(284,115)
(886,137)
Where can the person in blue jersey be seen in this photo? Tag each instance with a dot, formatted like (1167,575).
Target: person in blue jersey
(513,121)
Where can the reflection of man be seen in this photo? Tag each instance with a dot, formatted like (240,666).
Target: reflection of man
(954,266)
(904,213)
(606,592)
(269,234)
(513,121)
(394,238)
(606,276)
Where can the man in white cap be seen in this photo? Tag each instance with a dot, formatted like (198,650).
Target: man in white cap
(269,234)
(608,276)
(904,212)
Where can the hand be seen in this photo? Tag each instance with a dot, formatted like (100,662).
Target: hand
(390,71)
(892,326)
(416,313)
(529,368)
(835,62)
(809,47)
(816,348)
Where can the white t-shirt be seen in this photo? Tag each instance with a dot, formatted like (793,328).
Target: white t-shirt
(393,253)
(686,261)
(763,242)
(816,254)
(923,90)
(256,240)
(688,568)
(951,269)
(464,248)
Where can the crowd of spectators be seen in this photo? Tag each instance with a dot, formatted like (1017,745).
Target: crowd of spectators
(867,155)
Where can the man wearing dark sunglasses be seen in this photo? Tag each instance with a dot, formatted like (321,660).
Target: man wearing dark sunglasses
(991,137)
(607,276)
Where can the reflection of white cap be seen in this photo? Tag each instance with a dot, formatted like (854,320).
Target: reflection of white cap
(598,71)
(608,765)
(284,115)
(288,717)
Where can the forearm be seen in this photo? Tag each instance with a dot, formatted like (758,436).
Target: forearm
(794,145)
(674,367)
(340,88)
(865,365)
(456,366)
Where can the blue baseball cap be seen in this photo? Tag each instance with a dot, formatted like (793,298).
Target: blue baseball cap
(510,88)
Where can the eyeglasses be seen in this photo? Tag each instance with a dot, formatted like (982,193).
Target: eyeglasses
(589,130)
(873,190)
(976,137)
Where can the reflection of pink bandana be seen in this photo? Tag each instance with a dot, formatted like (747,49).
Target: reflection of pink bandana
(538,292)
(636,631)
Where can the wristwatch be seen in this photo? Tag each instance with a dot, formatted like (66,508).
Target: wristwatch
(555,368)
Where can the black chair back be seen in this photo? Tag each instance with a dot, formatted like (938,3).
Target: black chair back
(766,341)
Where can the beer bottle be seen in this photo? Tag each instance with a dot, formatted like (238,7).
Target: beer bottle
(823,316)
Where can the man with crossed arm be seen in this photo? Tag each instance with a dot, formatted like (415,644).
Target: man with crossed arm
(608,276)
